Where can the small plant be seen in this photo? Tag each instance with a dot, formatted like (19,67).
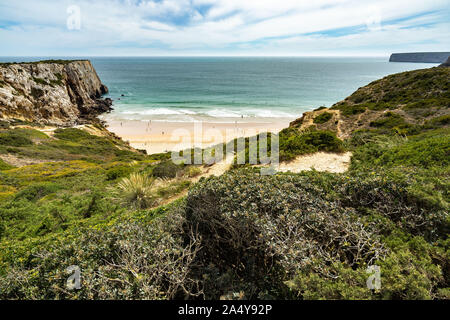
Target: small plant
(136,190)
(37,93)
(40,81)
(192,172)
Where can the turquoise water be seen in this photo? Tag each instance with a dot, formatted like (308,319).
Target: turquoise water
(226,89)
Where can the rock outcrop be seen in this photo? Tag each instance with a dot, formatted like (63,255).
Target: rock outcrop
(54,92)
(446,64)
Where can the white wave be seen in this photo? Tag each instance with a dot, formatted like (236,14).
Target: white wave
(223,113)
(158,111)
(217,113)
(271,114)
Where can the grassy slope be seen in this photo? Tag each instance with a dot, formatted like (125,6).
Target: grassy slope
(307,236)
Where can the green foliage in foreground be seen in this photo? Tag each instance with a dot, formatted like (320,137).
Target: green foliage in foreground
(314,242)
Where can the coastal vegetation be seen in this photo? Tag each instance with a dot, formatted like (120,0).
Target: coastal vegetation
(140,226)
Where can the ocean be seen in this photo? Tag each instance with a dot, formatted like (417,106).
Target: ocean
(224,89)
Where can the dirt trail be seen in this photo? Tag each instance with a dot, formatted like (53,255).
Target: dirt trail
(17,161)
(320,161)
(216,169)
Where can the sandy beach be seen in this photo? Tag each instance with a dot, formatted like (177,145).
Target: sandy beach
(163,136)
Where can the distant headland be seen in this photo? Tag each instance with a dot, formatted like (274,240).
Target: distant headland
(421,57)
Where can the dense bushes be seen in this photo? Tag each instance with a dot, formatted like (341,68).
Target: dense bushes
(425,150)
(117,172)
(262,233)
(36,191)
(308,236)
(129,261)
(294,143)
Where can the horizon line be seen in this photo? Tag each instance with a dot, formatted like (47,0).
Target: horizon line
(199,56)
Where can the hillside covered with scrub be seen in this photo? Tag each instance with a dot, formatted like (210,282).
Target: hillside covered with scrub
(140,227)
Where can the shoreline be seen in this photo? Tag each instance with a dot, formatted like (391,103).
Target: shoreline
(166,136)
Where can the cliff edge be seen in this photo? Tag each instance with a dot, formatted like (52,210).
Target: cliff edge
(57,92)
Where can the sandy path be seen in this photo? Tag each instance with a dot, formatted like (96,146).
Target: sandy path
(320,161)
(216,169)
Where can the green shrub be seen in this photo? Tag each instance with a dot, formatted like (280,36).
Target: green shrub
(36,93)
(173,188)
(323,117)
(294,143)
(129,261)
(15,138)
(136,191)
(192,171)
(439,121)
(72,134)
(41,81)
(424,150)
(259,229)
(166,169)
(36,191)
(5,166)
(118,172)
(389,120)
(350,110)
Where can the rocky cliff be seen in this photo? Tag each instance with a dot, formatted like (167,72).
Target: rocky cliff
(446,64)
(52,92)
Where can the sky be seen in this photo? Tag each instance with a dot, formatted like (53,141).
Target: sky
(222,27)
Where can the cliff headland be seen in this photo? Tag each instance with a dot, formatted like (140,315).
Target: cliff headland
(54,92)
(423,57)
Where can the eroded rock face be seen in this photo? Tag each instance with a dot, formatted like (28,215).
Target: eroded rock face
(446,64)
(60,93)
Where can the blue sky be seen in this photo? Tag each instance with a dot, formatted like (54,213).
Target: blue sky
(222,27)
